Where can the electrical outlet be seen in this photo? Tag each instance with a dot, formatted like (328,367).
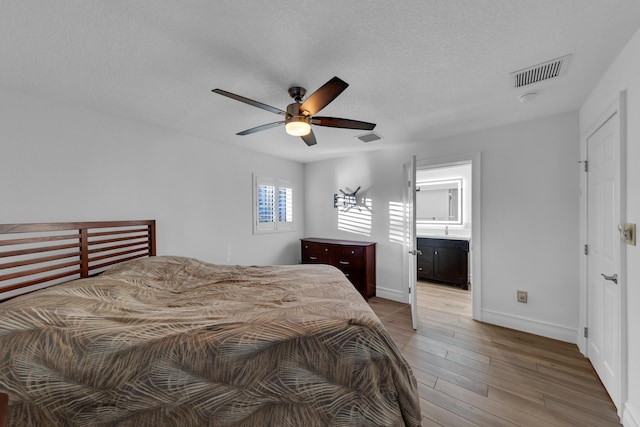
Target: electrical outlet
(522,296)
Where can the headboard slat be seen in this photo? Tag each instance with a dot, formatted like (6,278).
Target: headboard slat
(37,250)
(116,261)
(111,233)
(26,273)
(39,260)
(118,254)
(113,247)
(35,227)
(38,239)
(38,281)
(117,239)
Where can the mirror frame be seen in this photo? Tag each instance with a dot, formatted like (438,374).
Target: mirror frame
(457,182)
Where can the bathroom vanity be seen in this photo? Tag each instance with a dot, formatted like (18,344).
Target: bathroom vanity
(444,259)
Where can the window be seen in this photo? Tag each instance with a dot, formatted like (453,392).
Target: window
(273,205)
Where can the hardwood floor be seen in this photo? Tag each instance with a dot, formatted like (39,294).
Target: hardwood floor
(474,374)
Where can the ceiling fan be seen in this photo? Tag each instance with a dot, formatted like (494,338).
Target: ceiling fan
(301,115)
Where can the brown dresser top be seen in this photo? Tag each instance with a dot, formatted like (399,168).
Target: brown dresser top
(337,241)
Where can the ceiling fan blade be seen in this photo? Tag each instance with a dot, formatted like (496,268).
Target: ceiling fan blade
(323,96)
(249,101)
(335,122)
(309,139)
(259,128)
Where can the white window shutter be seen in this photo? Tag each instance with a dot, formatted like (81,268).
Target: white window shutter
(273,205)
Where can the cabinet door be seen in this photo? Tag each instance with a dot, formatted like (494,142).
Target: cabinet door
(450,265)
(425,261)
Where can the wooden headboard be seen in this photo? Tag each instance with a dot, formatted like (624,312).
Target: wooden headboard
(37,255)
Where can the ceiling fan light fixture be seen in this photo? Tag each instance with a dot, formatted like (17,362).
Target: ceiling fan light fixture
(298,126)
(300,115)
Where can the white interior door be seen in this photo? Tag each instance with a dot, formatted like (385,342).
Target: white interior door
(410,243)
(603,261)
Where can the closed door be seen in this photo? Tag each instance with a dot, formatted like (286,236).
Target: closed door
(603,293)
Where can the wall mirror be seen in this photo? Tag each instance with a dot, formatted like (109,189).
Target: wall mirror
(439,202)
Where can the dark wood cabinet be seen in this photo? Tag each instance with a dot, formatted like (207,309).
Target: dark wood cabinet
(4,404)
(444,260)
(357,260)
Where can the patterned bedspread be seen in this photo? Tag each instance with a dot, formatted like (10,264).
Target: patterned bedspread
(176,341)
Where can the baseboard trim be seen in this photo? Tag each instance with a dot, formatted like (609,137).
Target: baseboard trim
(390,294)
(630,417)
(531,326)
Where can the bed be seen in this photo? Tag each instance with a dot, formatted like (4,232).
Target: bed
(169,340)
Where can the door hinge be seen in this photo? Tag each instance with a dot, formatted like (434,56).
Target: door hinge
(409,290)
(586,164)
(586,332)
(586,249)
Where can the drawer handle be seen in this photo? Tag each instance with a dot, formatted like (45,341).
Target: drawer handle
(353,252)
(326,249)
(344,262)
(306,246)
(420,268)
(313,257)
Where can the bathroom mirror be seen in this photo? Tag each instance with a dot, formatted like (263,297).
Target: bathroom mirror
(439,202)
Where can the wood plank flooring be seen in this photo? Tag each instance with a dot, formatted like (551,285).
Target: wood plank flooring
(474,374)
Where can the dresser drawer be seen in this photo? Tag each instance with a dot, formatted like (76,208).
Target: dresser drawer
(338,251)
(315,258)
(344,263)
(351,252)
(316,248)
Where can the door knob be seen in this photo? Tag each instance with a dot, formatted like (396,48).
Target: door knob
(613,278)
(415,252)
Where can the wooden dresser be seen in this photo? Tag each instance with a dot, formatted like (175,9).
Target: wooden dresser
(357,260)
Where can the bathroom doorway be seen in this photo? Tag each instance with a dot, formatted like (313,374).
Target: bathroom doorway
(447,229)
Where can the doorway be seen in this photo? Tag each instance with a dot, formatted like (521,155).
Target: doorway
(443,230)
(467,225)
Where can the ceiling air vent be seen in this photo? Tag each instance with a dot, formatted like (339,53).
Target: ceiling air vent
(368,137)
(537,73)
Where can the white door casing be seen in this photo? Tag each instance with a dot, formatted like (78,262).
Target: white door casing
(604,279)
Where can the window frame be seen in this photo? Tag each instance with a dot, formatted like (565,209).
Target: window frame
(276,225)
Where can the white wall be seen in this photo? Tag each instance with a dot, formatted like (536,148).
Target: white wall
(624,74)
(529,190)
(64,163)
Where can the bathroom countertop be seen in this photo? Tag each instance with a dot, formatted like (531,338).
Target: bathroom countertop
(444,236)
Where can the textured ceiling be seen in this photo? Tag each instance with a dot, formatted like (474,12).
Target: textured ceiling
(419,69)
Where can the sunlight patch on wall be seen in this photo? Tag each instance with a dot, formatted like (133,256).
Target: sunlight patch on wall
(356,219)
(396,222)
